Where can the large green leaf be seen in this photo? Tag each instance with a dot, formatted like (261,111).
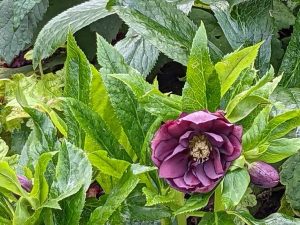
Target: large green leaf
(280,149)
(73,172)
(246,24)
(199,69)
(117,196)
(100,103)
(217,218)
(42,139)
(154,20)
(3,149)
(289,176)
(138,52)
(275,218)
(123,100)
(194,203)
(231,196)
(96,128)
(18,22)
(106,165)
(233,64)
(290,63)
(285,99)
(78,72)
(9,180)
(54,34)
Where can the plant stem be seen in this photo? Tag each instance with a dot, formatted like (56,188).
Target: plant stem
(166,221)
(181,219)
(41,68)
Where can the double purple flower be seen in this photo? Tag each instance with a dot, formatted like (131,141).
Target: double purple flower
(194,152)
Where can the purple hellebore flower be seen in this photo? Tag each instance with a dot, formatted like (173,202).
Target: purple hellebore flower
(263,174)
(25,183)
(194,152)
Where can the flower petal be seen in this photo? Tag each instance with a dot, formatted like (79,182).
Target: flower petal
(164,149)
(184,139)
(227,147)
(200,174)
(214,139)
(206,189)
(199,117)
(190,179)
(221,127)
(176,128)
(238,132)
(237,148)
(174,167)
(217,162)
(161,135)
(209,170)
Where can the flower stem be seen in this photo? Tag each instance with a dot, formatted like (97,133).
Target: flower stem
(181,219)
(166,221)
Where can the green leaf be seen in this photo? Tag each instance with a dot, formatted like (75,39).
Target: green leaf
(17,25)
(246,24)
(290,63)
(123,100)
(96,128)
(9,180)
(289,176)
(73,172)
(54,34)
(275,218)
(106,165)
(199,69)
(280,149)
(42,139)
(217,218)
(100,103)
(40,187)
(233,64)
(231,196)
(167,107)
(78,72)
(285,99)
(3,149)
(138,52)
(184,5)
(154,20)
(117,196)
(194,203)
(154,198)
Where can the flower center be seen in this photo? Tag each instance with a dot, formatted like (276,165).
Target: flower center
(200,148)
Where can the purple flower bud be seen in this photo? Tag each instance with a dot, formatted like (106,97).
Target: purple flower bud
(263,174)
(25,183)
(94,190)
(194,152)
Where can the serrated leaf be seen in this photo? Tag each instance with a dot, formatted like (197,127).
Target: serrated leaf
(3,149)
(73,172)
(123,100)
(9,180)
(154,198)
(117,196)
(233,64)
(40,187)
(246,24)
(280,149)
(96,128)
(194,203)
(174,41)
(275,218)
(217,218)
(138,52)
(54,34)
(106,165)
(230,195)
(285,99)
(18,22)
(290,63)
(42,139)
(167,107)
(199,69)
(78,72)
(289,176)
(100,103)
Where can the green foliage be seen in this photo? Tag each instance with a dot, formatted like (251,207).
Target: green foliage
(17,25)
(54,34)
(289,177)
